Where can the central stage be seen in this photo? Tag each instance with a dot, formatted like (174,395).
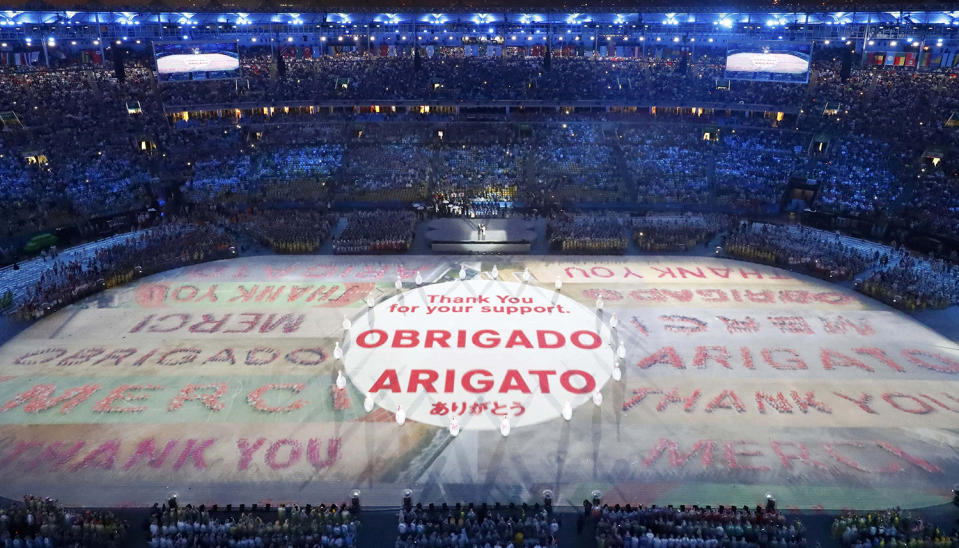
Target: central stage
(280,379)
(483,236)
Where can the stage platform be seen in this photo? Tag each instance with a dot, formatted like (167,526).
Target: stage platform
(283,379)
(461,235)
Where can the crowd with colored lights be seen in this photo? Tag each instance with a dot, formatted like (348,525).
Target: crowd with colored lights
(111,169)
(512,526)
(91,147)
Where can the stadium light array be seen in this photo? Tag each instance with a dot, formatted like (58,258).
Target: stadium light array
(893,43)
(482,18)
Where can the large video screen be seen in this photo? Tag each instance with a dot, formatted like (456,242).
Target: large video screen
(188,61)
(786,62)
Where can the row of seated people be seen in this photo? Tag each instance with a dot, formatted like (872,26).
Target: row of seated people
(156,249)
(285,230)
(807,250)
(890,528)
(174,526)
(376,231)
(662,233)
(907,281)
(472,526)
(591,234)
(610,233)
(915,283)
(44,523)
(642,526)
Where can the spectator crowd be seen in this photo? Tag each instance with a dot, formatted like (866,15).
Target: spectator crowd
(174,526)
(44,523)
(473,526)
(633,527)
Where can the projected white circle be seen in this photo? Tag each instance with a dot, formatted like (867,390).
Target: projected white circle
(480,351)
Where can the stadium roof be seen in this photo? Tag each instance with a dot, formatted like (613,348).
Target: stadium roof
(789,6)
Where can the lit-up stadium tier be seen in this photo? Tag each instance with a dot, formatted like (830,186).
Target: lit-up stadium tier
(657,380)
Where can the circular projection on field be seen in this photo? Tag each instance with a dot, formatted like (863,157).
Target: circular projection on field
(523,352)
(655,380)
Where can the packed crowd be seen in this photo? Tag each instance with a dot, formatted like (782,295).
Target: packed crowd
(110,169)
(915,283)
(44,523)
(461,78)
(116,152)
(633,527)
(376,231)
(812,251)
(477,526)
(890,528)
(153,250)
(662,233)
(592,234)
(285,230)
(78,153)
(178,526)
(248,171)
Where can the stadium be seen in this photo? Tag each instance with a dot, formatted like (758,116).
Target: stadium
(479,274)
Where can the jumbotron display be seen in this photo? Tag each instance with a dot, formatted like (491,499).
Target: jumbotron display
(184,61)
(786,62)
(652,379)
